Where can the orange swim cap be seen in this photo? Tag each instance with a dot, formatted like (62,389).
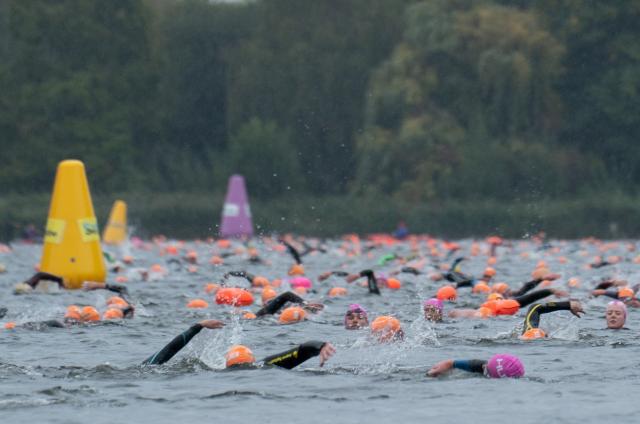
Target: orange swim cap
(73,312)
(507,307)
(489,272)
(248,315)
(500,288)
(292,315)
(197,304)
(300,290)
(540,273)
(481,287)
(624,292)
(112,313)
(216,260)
(224,244)
(385,327)
(393,283)
(532,334)
(492,305)
(211,288)
(484,312)
(267,294)
(296,269)
(158,269)
(9,325)
(447,293)
(259,282)
(573,282)
(117,301)
(238,355)
(495,296)
(127,259)
(337,291)
(89,313)
(234,296)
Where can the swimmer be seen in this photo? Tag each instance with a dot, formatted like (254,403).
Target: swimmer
(124,304)
(498,366)
(531,328)
(433,309)
(372,282)
(616,315)
(33,282)
(356,317)
(288,359)
(622,293)
(278,302)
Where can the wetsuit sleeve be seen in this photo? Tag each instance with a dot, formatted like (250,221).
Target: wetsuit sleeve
(243,274)
(613,293)
(410,270)
(296,356)
(526,287)
(173,347)
(532,320)
(33,281)
(470,365)
(293,252)
(340,273)
(278,302)
(122,290)
(465,283)
(528,299)
(371,281)
(604,285)
(3,312)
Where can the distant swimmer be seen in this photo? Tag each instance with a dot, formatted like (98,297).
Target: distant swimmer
(356,317)
(372,281)
(532,329)
(241,355)
(622,293)
(498,366)
(433,309)
(278,302)
(36,279)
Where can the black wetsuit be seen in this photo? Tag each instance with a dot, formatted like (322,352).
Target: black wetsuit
(278,302)
(33,281)
(288,359)
(3,312)
(528,299)
(470,365)
(371,281)
(532,319)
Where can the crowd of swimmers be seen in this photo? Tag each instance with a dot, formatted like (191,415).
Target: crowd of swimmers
(291,306)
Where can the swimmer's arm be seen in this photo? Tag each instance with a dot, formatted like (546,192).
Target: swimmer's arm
(410,270)
(243,274)
(465,283)
(532,297)
(278,302)
(33,281)
(296,356)
(371,281)
(612,293)
(175,345)
(470,365)
(527,287)
(604,285)
(293,252)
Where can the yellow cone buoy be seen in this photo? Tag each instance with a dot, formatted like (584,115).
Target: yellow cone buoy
(116,230)
(72,242)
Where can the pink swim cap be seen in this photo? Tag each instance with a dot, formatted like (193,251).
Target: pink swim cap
(300,282)
(618,303)
(505,366)
(436,303)
(354,307)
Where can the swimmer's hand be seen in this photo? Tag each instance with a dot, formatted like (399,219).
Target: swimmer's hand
(324,275)
(559,293)
(212,324)
(440,368)
(314,307)
(576,308)
(92,285)
(326,352)
(551,277)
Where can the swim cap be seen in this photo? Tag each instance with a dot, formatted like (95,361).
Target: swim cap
(505,366)
(73,312)
(113,313)
(292,315)
(507,307)
(267,294)
(259,281)
(300,290)
(489,272)
(385,328)
(433,302)
(494,296)
(624,292)
(9,325)
(233,296)
(539,273)
(197,304)
(127,259)
(248,315)
(117,301)
(481,287)
(355,308)
(296,269)
(224,244)
(300,282)
(337,291)
(211,288)
(89,313)
(484,312)
(238,355)
(216,260)
(532,334)
(619,304)
(393,283)
(447,293)
(573,282)
(500,287)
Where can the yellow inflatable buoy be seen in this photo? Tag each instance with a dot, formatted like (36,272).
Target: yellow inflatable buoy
(116,231)
(72,242)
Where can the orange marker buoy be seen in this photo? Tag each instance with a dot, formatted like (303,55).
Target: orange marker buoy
(72,241)
(337,292)
(197,304)
(393,283)
(234,296)
(239,354)
(447,293)
(292,315)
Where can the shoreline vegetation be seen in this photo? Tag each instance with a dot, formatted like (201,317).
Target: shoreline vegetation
(189,215)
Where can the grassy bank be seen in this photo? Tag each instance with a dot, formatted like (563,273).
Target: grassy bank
(192,215)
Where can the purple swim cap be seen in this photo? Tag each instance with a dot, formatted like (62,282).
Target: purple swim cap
(436,303)
(354,307)
(618,303)
(505,366)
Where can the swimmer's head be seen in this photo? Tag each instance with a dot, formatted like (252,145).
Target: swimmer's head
(267,294)
(89,313)
(292,315)
(447,293)
(533,334)
(113,313)
(489,272)
(296,269)
(73,313)
(504,366)
(386,329)
(239,355)
(356,317)
(625,293)
(616,314)
(433,309)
